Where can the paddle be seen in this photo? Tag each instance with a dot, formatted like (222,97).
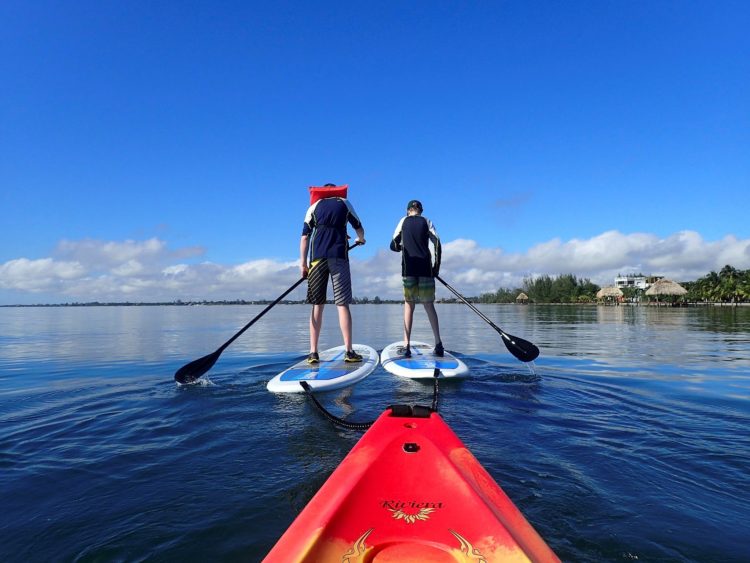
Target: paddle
(520,348)
(195,369)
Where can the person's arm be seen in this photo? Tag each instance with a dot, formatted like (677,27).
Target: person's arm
(438,258)
(396,239)
(354,221)
(304,243)
(360,235)
(438,248)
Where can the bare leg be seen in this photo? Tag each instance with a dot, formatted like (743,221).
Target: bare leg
(432,316)
(345,322)
(316,322)
(408,320)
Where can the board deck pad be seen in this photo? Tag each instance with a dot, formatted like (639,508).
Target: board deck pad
(331,373)
(422,363)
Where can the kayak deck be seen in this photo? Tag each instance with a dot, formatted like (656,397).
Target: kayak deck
(410,490)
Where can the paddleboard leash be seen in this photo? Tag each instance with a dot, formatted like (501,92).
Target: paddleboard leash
(363,425)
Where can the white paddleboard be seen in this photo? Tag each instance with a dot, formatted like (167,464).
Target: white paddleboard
(422,362)
(331,373)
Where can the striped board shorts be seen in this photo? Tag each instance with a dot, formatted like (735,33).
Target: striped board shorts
(317,281)
(419,289)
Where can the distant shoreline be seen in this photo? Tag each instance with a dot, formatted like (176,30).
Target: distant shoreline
(370,302)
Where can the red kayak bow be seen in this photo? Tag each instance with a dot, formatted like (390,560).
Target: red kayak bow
(410,490)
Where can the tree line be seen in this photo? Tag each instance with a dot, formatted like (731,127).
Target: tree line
(565,288)
(729,285)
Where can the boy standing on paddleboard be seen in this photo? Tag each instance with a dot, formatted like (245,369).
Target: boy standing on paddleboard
(324,235)
(411,238)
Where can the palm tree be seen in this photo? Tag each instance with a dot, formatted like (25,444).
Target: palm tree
(728,283)
(711,288)
(743,287)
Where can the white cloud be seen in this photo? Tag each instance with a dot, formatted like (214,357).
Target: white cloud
(149,270)
(38,275)
(108,255)
(129,268)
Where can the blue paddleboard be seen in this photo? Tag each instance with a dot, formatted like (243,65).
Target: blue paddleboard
(422,363)
(331,373)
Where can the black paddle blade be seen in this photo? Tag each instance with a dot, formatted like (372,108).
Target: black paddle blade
(195,369)
(520,348)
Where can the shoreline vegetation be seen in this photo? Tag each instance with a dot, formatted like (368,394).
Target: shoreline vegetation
(729,287)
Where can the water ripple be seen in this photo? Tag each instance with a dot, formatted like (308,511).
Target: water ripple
(626,440)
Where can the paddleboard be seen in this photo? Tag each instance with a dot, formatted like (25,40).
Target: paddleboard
(422,363)
(331,373)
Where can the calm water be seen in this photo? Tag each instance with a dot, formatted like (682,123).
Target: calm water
(631,441)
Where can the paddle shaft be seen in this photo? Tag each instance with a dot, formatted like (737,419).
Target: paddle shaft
(520,348)
(259,315)
(268,308)
(477,311)
(195,369)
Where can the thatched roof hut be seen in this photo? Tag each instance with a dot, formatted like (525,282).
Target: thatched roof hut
(522,298)
(665,287)
(610,292)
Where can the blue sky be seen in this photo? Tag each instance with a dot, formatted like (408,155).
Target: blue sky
(154,151)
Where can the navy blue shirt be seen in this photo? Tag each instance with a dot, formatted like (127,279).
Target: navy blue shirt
(411,238)
(325,224)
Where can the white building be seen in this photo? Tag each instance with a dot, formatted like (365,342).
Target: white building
(638,281)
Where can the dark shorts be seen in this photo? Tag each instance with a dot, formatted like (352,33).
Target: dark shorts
(317,281)
(419,289)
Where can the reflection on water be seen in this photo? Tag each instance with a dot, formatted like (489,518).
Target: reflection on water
(616,335)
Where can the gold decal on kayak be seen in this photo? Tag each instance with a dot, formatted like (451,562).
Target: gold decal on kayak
(423,514)
(356,553)
(472,554)
(411,511)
